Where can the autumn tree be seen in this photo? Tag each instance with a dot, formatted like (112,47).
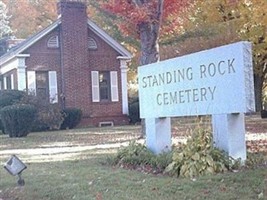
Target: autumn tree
(143,19)
(253,27)
(30,16)
(5,29)
(247,19)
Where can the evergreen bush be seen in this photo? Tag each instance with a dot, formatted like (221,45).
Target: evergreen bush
(7,98)
(10,97)
(72,117)
(18,119)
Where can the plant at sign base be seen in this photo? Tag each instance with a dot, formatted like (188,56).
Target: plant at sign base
(195,158)
(137,156)
(199,157)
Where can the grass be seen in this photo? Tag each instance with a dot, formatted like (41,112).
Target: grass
(80,173)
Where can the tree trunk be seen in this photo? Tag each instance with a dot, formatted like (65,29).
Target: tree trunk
(258,86)
(149,43)
(149,51)
(149,37)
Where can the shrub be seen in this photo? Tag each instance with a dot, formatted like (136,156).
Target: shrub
(134,113)
(199,157)
(72,117)
(134,154)
(138,156)
(7,98)
(2,127)
(264,114)
(17,119)
(49,116)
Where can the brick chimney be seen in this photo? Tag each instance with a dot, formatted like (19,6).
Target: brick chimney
(74,56)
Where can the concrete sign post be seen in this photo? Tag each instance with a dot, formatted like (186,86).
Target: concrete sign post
(229,134)
(217,82)
(158,134)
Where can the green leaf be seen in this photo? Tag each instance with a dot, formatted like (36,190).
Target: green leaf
(196,156)
(209,160)
(210,170)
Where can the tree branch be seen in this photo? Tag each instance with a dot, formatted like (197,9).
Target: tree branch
(160,10)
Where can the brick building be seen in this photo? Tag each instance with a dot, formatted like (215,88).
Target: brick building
(72,62)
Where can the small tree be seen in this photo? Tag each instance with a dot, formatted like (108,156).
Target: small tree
(7,98)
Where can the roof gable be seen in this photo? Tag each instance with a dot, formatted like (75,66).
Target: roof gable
(36,37)
(108,39)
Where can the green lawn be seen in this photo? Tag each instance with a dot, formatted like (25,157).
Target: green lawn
(68,165)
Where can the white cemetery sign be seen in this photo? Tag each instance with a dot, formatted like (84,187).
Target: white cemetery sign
(217,82)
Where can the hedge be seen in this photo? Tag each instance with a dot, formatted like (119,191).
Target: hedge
(17,119)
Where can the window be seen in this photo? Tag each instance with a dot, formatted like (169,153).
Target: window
(92,44)
(8,82)
(42,90)
(104,86)
(53,42)
(43,84)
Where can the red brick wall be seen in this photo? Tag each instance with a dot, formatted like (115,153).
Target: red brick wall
(43,58)
(104,59)
(74,57)
(78,62)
